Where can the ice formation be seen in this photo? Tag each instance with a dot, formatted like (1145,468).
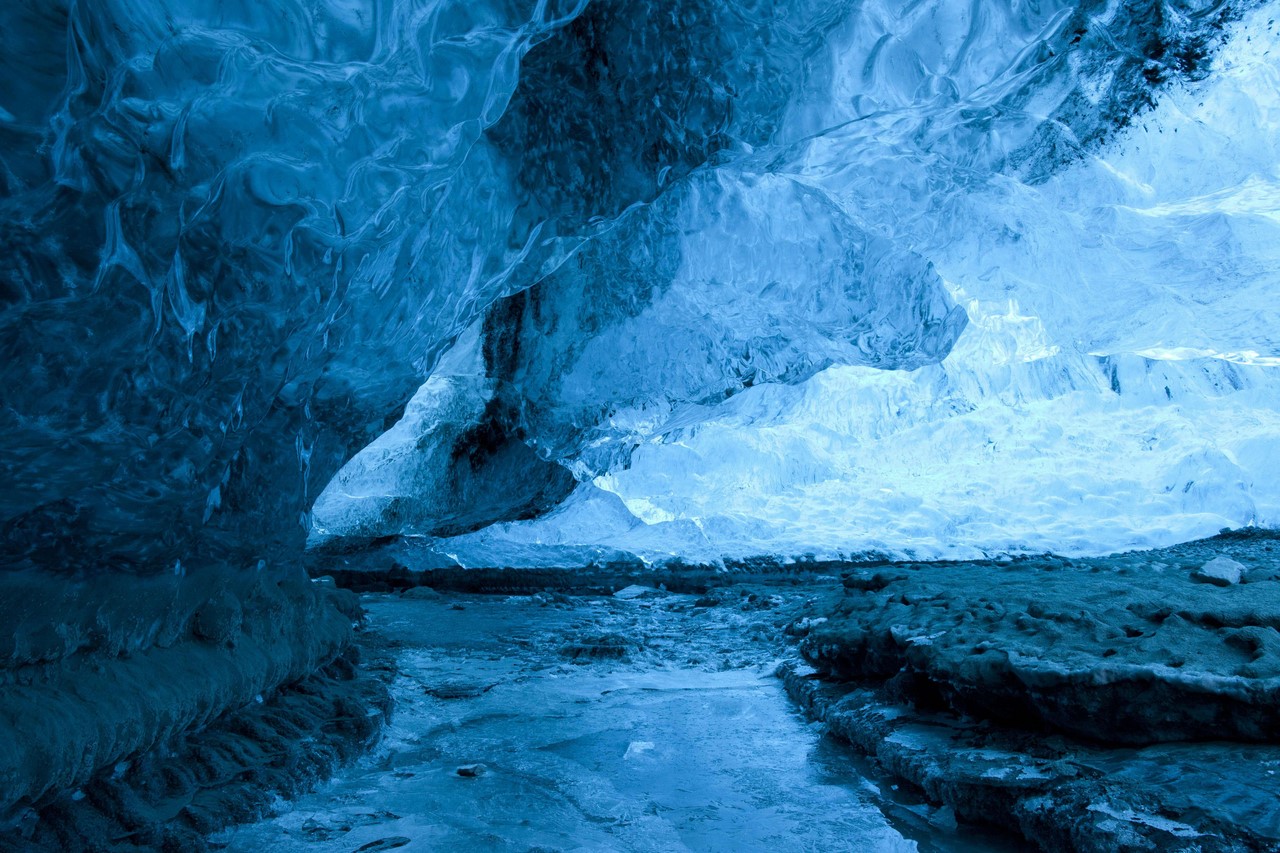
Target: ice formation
(692,279)
(783,278)
(800,277)
(979,281)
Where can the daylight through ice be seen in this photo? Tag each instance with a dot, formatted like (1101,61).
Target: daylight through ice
(980,280)
(520,365)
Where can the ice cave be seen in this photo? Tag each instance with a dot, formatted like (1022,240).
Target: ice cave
(640,425)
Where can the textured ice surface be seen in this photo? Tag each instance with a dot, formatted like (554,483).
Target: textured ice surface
(709,249)
(1117,384)
(236,235)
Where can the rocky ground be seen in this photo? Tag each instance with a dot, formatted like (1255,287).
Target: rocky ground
(1178,644)
(1060,794)
(1122,703)
(1127,703)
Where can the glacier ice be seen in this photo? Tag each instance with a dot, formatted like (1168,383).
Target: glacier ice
(236,236)
(697,279)
(1073,349)
(780,278)
(240,235)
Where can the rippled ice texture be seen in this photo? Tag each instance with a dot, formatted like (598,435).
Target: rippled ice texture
(982,287)
(236,235)
(683,278)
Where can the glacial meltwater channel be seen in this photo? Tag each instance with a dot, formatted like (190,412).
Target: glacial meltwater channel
(645,721)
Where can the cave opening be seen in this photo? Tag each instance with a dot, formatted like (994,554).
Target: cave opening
(681,425)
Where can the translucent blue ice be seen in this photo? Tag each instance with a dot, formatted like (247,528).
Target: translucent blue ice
(739,277)
(986,285)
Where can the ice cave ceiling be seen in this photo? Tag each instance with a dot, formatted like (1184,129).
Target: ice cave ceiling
(675,279)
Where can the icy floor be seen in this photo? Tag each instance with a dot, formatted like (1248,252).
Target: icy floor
(686,742)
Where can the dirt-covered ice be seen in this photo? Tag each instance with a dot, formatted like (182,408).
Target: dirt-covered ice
(1124,703)
(1169,645)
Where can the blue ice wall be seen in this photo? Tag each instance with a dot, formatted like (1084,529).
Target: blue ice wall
(236,236)
(929,281)
(239,235)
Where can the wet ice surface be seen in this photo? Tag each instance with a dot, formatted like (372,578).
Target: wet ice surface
(685,742)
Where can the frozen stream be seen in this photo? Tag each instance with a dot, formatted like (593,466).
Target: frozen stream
(602,724)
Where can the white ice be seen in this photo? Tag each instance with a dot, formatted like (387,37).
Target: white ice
(1118,386)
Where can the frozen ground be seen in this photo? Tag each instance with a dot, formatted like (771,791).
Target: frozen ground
(1126,703)
(646,724)
(1063,795)
(1170,645)
(1123,703)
